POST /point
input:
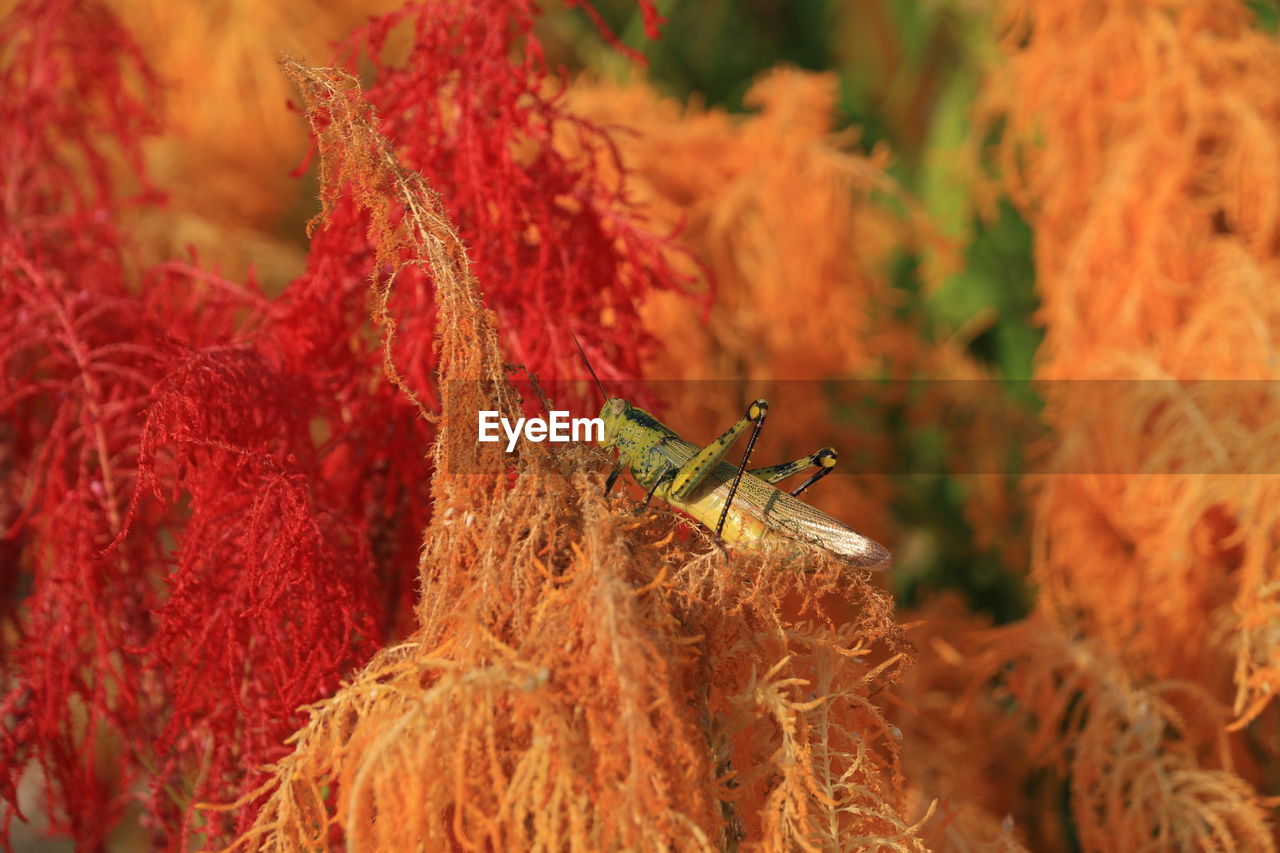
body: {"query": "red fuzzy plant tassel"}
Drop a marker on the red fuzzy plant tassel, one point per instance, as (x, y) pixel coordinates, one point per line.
(215, 500)
(474, 108)
(78, 355)
(162, 648)
(551, 235)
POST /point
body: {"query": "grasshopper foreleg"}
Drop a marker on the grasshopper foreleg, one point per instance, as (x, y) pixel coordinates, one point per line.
(756, 412)
(824, 460)
(667, 474)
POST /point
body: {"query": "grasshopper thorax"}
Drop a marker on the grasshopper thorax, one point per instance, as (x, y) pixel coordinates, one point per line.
(637, 436)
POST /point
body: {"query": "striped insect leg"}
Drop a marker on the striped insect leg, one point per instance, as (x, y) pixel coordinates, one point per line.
(693, 472)
(774, 474)
(759, 409)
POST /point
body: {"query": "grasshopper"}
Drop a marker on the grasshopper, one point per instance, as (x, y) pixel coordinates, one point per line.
(743, 506)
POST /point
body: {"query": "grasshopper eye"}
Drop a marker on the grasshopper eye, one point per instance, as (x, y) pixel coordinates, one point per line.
(617, 407)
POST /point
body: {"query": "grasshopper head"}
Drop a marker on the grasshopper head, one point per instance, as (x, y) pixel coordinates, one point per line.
(614, 415)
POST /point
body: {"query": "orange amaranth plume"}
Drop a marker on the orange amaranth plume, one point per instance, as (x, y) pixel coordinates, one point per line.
(1140, 140)
(580, 679)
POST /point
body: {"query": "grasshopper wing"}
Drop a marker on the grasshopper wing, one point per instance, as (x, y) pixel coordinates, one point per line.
(798, 520)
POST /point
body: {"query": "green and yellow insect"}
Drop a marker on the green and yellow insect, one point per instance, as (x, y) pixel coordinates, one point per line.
(744, 507)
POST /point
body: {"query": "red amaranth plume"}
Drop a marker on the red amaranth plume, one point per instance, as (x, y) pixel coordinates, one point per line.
(79, 354)
(131, 667)
(216, 499)
(553, 238)
(474, 108)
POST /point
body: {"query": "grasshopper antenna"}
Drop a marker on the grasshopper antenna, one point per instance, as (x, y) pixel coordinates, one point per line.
(617, 468)
(582, 353)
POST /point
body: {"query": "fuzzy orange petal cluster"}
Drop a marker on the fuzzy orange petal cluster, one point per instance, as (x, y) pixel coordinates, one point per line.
(783, 215)
(581, 679)
(1146, 138)
(1142, 141)
(1147, 764)
(958, 743)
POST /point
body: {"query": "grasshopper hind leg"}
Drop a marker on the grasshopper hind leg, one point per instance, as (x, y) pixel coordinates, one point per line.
(756, 413)
(824, 460)
(695, 471)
